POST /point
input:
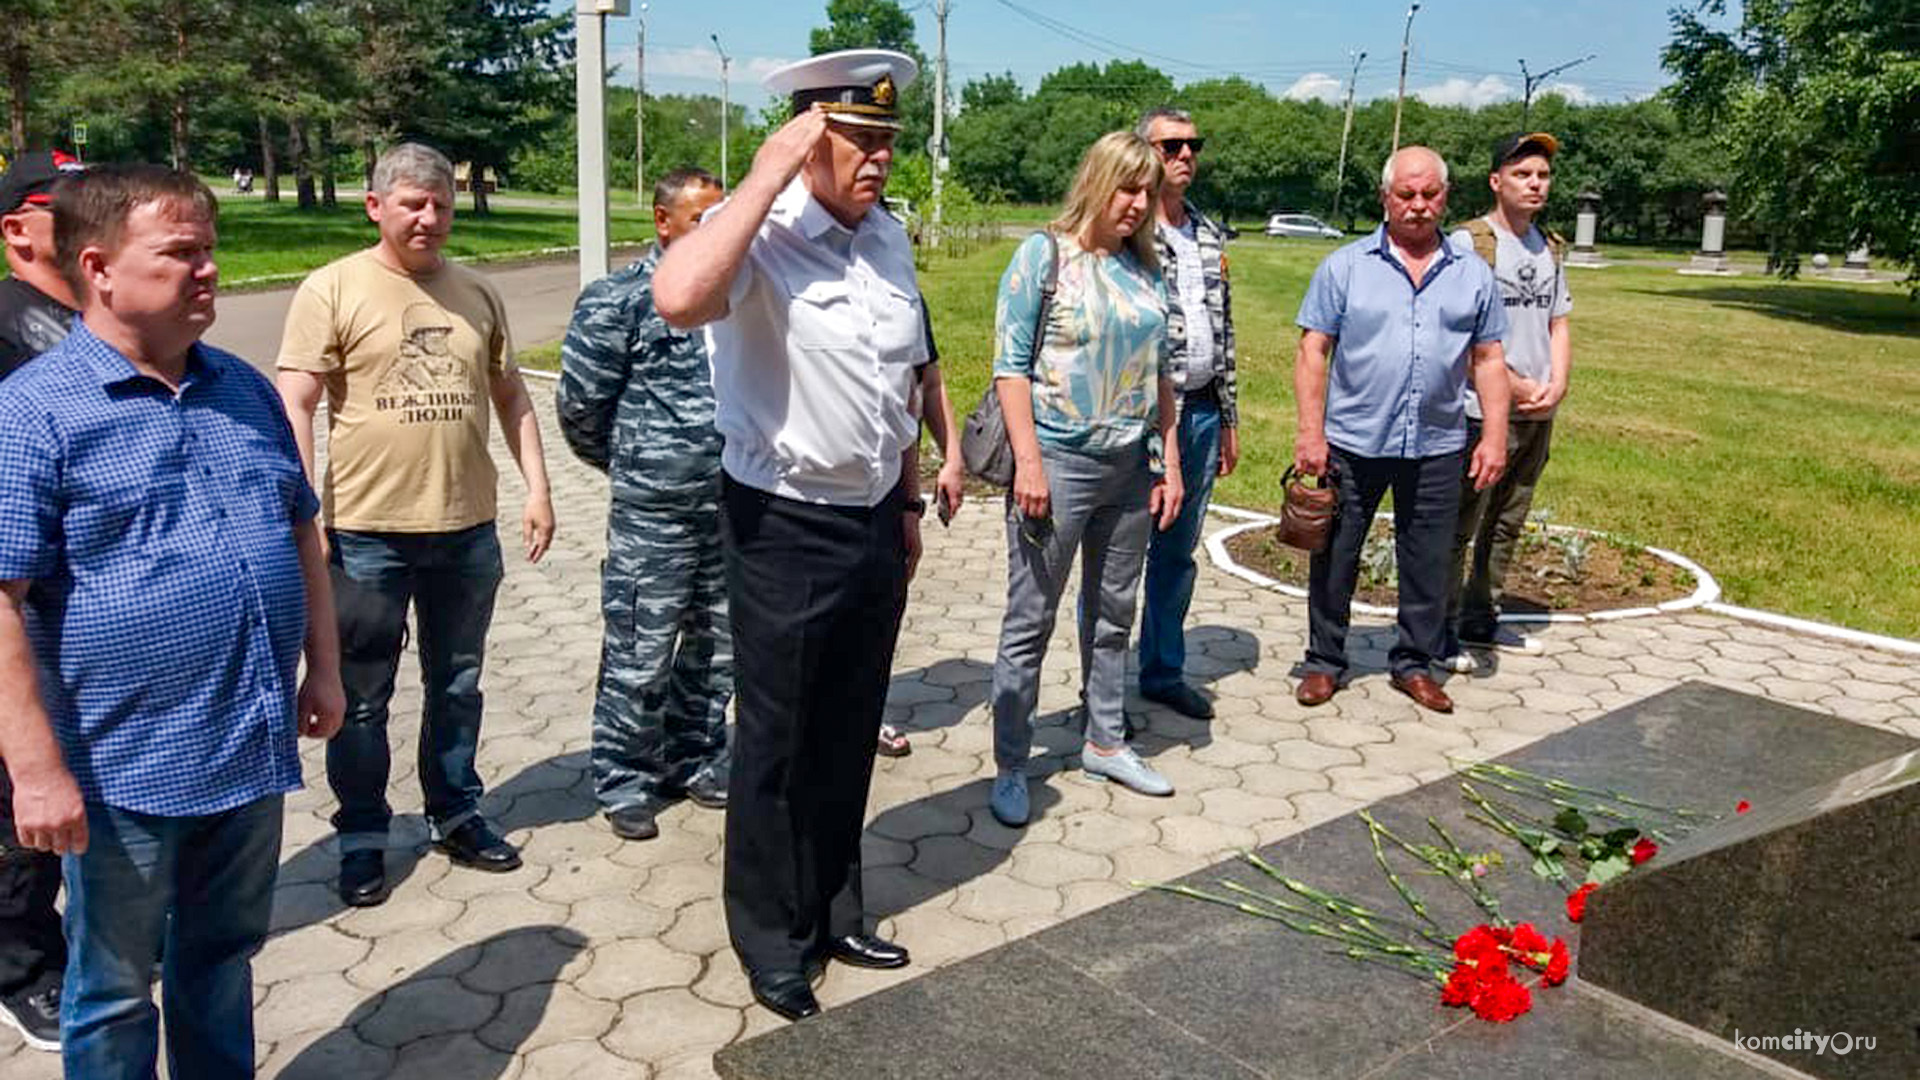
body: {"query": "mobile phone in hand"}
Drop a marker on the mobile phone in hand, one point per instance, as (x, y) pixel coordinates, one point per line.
(943, 506)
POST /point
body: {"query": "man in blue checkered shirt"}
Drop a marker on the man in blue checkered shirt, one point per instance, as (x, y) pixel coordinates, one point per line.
(160, 575)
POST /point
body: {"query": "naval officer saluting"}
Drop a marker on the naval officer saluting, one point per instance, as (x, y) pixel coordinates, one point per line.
(806, 288)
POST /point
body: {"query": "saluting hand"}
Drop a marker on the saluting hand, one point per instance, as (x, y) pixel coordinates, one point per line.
(787, 150)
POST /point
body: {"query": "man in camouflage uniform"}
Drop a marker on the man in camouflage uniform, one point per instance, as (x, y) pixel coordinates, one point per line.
(636, 400)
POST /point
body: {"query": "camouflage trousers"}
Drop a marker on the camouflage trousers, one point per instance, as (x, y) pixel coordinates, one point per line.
(666, 656)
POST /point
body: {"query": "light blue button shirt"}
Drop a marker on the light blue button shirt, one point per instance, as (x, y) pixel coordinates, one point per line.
(1397, 383)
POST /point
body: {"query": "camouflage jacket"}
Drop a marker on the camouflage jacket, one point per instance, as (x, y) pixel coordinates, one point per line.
(636, 395)
(1213, 261)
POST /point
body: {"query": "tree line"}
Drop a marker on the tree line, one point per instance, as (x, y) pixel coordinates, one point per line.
(1807, 115)
(307, 90)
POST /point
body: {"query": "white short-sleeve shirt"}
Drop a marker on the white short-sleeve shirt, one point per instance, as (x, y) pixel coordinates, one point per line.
(814, 365)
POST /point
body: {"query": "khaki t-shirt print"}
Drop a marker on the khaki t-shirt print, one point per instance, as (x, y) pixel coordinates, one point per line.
(407, 365)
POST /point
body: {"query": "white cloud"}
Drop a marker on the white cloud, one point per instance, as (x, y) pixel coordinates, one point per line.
(1315, 84)
(696, 63)
(1457, 91)
(1574, 93)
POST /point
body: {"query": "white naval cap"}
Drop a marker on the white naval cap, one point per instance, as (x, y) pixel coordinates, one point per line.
(858, 86)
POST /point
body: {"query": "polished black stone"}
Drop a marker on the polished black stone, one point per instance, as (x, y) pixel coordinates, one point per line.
(1160, 986)
(1800, 916)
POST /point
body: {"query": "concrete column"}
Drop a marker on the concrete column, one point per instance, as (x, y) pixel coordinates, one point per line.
(1586, 226)
(1712, 256)
(590, 91)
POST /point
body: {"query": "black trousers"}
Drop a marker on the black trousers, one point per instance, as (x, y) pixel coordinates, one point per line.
(1426, 505)
(32, 950)
(816, 594)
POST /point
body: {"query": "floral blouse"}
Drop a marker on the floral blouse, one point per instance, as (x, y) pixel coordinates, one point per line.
(1096, 382)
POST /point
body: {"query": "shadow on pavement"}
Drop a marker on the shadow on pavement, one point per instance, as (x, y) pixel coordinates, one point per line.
(465, 1015)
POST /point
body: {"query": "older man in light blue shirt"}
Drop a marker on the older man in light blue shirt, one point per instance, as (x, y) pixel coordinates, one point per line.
(1390, 326)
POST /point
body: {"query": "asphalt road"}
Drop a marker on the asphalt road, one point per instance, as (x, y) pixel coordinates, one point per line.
(539, 298)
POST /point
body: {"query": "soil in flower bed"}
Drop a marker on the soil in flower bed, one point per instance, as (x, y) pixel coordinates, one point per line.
(1544, 576)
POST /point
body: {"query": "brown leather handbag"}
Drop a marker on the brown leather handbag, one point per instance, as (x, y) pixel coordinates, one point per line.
(1308, 512)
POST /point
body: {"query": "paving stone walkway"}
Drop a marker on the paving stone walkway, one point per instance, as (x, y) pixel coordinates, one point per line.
(601, 958)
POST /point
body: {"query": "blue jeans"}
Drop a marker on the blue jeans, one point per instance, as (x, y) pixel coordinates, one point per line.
(195, 890)
(1170, 565)
(450, 579)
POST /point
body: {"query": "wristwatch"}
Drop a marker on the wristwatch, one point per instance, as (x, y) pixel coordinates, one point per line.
(915, 505)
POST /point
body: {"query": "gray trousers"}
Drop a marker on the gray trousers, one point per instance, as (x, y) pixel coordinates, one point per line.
(1099, 510)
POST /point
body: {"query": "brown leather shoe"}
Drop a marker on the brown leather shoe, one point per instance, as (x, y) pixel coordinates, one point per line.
(1424, 691)
(1315, 689)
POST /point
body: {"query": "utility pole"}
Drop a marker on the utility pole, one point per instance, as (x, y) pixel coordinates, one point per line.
(640, 115)
(590, 90)
(725, 107)
(1340, 174)
(1531, 81)
(937, 153)
(1406, 46)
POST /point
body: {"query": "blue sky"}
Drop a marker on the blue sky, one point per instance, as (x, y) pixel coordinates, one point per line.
(1464, 51)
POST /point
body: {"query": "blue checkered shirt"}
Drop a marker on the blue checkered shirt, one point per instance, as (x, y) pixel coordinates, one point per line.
(165, 602)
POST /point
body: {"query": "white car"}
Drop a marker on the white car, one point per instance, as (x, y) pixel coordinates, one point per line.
(1301, 225)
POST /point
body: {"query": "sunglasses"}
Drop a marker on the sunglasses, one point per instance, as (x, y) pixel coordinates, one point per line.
(1170, 148)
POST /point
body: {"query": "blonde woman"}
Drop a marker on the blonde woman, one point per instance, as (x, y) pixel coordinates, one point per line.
(1079, 411)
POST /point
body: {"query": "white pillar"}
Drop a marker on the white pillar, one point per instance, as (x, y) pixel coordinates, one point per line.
(590, 91)
(1712, 256)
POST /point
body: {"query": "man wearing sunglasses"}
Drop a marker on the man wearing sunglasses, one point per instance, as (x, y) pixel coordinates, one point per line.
(1200, 342)
(814, 328)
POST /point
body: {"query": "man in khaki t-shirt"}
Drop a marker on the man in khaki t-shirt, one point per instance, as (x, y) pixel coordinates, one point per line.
(408, 351)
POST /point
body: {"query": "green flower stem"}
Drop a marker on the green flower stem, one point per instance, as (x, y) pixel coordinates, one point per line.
(1438, 863)
(1488, 902)
(1558, 785)
(1590, 810)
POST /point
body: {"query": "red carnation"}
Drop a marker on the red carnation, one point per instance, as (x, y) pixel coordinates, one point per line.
(1480, 947)
(1461, 986)
(1558, 961)
(1577, 903)
(1527, 942)
(1742, 807)
(1643, 849)
(1501, 1000)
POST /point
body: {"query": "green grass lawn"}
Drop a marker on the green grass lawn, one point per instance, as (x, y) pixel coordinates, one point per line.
(276, 240)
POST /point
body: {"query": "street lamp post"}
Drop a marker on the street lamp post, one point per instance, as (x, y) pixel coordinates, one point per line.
(725, 107)
(1340, 174)
(1406, 45)
(590, 90)
(640, 114)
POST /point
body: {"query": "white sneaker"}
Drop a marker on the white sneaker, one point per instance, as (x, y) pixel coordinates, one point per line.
(1460, 663)
(1507, 639)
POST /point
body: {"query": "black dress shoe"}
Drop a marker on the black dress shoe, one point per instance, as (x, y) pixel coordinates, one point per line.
(1182, 699)
(633, 823)
(786, 993)
(868, 951)
(708, 789)
(363, 878)
(475, 844)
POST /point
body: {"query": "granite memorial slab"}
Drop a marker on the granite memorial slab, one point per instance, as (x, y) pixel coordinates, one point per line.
(1799, 919)
(1158, 985)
